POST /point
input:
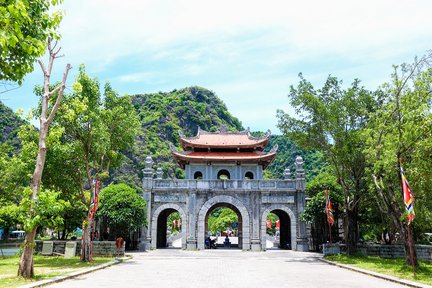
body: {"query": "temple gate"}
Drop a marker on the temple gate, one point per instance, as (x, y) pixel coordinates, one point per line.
(224, 169)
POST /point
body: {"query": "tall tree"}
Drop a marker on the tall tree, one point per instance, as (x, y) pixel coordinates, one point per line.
(96, 129)
(401, 129)
(25, 27)
(330, 120)
(50, 103)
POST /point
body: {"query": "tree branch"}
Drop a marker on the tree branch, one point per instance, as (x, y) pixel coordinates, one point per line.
(61, 88)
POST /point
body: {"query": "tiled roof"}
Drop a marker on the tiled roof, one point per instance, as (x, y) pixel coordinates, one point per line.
(245, 157)
(224, 139)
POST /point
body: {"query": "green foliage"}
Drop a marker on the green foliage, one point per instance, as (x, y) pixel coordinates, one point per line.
(331, 120)
(401, 128)
(171, 219)
(122, 207)
(25, 29)
(393, 267)
(162, 116)
(9, 125)
(48, 210)
(314, 211)
(285, 158)
(220, 219)
(9, 215)
(273, 218)
(45, 267)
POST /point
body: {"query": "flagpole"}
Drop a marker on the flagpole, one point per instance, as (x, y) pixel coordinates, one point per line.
(410, 213)
(411, 248)
(330, 233)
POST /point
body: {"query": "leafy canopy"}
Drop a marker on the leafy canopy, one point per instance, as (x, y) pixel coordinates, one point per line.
(122, 207)
(25, 27)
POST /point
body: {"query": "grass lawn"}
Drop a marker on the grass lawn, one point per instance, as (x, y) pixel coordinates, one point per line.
(393, 267)
(44, 267)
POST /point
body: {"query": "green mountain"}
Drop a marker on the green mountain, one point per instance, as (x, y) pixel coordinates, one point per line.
(162, 115)
(9, 125)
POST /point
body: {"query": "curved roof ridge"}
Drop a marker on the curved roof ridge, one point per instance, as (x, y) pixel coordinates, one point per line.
(223, 131)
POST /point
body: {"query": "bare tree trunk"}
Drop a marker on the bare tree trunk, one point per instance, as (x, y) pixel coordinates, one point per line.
(26, 262)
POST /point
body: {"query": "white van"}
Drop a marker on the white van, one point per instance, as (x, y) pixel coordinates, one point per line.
(16, 235)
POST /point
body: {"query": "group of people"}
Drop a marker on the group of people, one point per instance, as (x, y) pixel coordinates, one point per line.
(211, 243)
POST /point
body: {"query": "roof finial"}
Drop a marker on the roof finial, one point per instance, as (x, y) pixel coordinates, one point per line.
(223, 129)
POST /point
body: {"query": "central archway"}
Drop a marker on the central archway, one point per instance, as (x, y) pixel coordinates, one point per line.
(232, 203)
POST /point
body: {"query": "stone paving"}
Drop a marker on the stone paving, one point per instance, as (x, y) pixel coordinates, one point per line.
(224, 268)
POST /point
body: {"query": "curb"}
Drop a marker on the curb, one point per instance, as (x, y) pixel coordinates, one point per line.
(378, 275)
(74, 274)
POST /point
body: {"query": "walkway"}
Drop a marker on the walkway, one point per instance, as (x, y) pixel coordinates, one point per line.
(224, 268)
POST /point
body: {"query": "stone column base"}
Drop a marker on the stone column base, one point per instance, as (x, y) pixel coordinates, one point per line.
(191, 244)
(144, 245)
(302, 244)
(255, 245)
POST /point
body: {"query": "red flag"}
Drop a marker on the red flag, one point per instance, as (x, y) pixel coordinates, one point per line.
(408, 197)
(278, 224)
(268, 224)
(96, 197)
(178, 223)
(329, 209)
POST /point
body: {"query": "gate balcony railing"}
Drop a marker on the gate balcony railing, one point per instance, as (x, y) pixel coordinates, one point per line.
(221, 184)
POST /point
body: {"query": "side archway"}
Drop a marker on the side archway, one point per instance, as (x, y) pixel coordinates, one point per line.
(245, 242)
(154, 223)
(293, 225)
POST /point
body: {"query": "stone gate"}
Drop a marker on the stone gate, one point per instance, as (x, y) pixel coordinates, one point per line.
(224, 169)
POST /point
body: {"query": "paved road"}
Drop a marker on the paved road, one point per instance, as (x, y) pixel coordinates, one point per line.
(224, 268)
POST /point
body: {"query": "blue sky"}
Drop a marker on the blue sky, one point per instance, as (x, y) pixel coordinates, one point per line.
(247, 52)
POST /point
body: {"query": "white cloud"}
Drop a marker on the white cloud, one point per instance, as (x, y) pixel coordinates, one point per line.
(245, 51)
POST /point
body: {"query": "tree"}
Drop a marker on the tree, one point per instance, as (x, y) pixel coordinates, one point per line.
(314, 212)
(9, 216)
(48, 210)
(123, 209)
(25, 29)
(50, 102)
(331, 120)
(95, 130)
(401, 129)
(221, 219)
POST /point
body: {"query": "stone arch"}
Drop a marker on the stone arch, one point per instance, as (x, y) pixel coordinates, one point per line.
(154, 223)
(293, 225)
(198, 175)
(249, 175)
(229, 200)
(223, 174)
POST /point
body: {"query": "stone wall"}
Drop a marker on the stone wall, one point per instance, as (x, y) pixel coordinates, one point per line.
(100, 248)
(424, 252)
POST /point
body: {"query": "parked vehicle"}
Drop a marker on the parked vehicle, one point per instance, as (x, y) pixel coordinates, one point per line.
(16, 235)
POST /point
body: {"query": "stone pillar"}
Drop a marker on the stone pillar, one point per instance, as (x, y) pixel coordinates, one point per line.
(255, 221)
(145, 237)
(287, 174)
(159, 173)
(191, 239)
(302, 241)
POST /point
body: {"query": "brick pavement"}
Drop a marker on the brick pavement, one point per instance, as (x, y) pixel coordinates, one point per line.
(224, 268)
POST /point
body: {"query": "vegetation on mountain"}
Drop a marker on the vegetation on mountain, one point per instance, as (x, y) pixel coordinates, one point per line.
(9, 126)
(162, 116)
